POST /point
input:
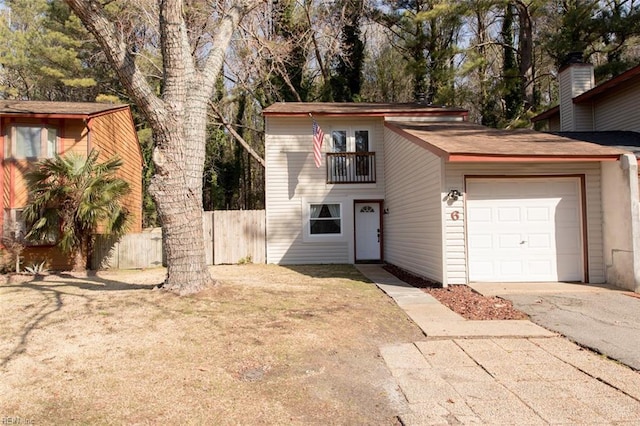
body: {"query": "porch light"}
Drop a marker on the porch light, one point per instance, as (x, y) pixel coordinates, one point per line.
(454, 194)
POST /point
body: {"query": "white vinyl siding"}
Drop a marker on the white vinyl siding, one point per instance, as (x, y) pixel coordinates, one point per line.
(582, 118)
(619, 111)
(575, 80)
(554, 124)
(413, 225)
(455, 173)
(292, 181)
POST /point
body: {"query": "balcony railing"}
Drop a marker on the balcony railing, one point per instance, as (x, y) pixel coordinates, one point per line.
(351, 167)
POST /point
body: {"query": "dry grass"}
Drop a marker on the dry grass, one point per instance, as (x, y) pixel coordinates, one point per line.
(267, 345)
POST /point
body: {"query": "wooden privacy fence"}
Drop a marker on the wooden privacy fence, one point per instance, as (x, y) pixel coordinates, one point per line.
(231, 236)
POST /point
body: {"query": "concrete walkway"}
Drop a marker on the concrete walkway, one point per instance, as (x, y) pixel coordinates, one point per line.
(499, 372)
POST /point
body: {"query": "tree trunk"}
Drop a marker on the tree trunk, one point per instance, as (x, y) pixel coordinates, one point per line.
(525, 51)
(178, 120)
(80, 256)
(177, 190)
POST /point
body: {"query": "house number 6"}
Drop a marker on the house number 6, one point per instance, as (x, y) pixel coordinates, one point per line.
(455, 215)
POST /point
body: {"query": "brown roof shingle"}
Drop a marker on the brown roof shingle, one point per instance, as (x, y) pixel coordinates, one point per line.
(459, 140)
(26, 108)
(358, 109)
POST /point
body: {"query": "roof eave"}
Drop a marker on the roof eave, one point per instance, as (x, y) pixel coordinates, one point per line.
(455, 113)
(65, 115)
(632, 74)
(546, 114)
(500, 158)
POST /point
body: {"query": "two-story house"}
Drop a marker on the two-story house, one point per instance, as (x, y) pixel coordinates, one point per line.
(422, 188)
(30, 131)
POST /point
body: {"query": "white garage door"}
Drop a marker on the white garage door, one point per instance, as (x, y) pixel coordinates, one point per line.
(524, 230)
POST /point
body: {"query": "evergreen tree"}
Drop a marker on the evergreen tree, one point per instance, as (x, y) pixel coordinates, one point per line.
(46, 54)
(427, 33)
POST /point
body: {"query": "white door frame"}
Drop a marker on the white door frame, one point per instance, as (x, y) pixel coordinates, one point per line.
(380, 204)
(582, 204)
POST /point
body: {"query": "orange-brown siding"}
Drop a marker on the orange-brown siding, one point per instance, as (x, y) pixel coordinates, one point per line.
(54, 258)
(114, 134)
(73, 137)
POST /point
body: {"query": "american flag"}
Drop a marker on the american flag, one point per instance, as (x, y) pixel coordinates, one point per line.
(318, 136)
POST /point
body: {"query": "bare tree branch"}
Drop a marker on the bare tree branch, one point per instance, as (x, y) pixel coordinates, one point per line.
(236, 135)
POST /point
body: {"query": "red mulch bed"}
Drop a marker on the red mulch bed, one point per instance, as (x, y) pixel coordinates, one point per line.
(461, 299)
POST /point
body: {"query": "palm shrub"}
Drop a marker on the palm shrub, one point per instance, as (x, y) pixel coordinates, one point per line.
(73, 197)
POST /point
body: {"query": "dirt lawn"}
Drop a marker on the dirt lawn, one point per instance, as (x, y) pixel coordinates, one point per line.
(267, 345)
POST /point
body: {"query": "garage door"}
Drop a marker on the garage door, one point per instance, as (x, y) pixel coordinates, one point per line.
(522, 230)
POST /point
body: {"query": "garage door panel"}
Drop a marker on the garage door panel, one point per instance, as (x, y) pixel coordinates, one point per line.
(565, 189)
(509, 214)
(567, 246)
(540, 268)
(538, 214)
(484, 269)
(567, 215)
(509, 241)
(481, 214)
(511, 268)
(568, 267)
(539, 241)
(524, 229)
(482, 242)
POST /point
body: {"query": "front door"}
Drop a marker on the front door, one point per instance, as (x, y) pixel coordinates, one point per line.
(368, 231)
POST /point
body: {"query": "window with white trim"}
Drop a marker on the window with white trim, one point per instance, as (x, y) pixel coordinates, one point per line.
(325, 219)
(32, 141)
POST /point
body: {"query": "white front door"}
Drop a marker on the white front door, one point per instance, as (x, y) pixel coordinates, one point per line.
(524, 230)
(368, 231)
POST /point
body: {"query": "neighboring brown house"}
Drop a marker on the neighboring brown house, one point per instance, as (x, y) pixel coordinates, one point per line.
(32, 130)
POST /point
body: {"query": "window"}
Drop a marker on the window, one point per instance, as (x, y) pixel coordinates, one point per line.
(362, 145)
(339, 138)
(15, 229)
(350, 140)
(325, 219)
(14, 226)
(32, 141)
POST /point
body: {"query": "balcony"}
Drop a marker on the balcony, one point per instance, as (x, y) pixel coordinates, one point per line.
(351, 167)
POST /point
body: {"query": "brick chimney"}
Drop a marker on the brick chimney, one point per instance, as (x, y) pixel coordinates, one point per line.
(576, 77)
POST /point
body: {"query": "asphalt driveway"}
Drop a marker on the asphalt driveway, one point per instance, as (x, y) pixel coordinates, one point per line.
(599, 318)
